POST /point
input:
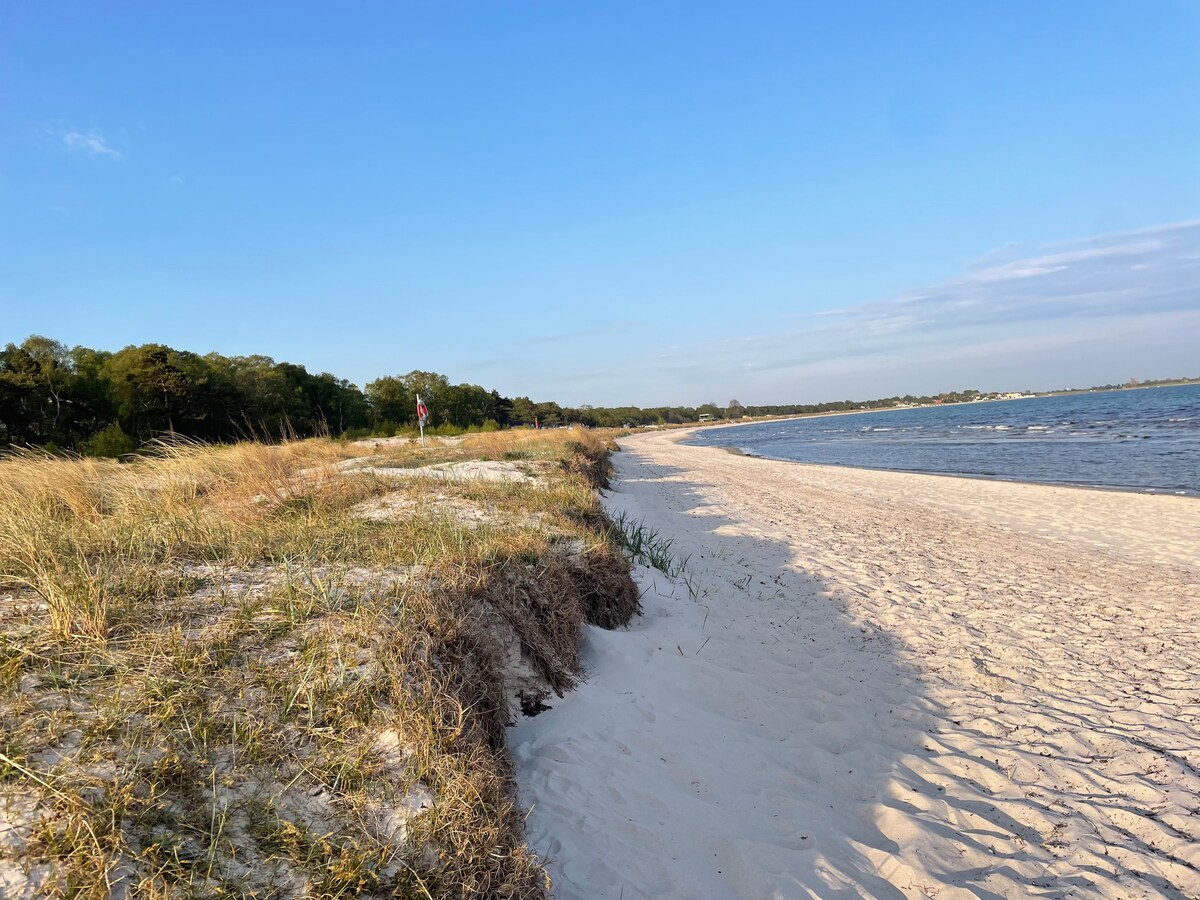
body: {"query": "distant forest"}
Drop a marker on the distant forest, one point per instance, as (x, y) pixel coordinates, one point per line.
(108, 404)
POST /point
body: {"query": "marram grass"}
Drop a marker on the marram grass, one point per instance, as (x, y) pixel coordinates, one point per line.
(217, 678)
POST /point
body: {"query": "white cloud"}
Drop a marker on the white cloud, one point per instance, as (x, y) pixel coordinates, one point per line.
(92, 143)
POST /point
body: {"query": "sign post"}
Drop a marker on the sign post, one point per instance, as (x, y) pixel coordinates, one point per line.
(422, 415)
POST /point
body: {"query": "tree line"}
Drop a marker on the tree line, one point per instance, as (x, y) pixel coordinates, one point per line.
(106, 403)
(109, 403)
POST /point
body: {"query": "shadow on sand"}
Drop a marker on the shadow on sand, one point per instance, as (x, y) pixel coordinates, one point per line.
(817, 762)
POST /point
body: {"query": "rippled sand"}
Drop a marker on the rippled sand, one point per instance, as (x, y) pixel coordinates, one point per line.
(882, 684)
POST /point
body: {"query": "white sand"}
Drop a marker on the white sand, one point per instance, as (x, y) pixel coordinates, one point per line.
(469, 470)
(882, 684)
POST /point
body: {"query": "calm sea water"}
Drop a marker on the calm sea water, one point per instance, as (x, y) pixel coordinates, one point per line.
(1143, 440)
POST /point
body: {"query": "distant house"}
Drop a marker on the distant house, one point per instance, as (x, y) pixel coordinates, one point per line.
(705, 417)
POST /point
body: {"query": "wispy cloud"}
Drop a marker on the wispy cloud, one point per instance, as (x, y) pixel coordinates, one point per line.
(1121, 274)
(1145, 271)
(1012, 317)
(92, 143)
(1105, 309)
(608, 328)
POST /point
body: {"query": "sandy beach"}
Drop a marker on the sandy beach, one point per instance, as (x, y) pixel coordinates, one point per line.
(881, 684)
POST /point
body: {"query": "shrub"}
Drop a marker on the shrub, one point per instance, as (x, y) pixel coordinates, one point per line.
(110, 441)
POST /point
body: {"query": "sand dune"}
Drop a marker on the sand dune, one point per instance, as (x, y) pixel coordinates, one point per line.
(881, 684)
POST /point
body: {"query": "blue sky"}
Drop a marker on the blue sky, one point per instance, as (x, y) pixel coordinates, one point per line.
(613, 203)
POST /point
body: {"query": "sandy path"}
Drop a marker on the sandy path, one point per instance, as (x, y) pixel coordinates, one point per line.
(882, 684)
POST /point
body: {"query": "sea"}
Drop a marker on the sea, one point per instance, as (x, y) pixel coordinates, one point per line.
(1144, 439)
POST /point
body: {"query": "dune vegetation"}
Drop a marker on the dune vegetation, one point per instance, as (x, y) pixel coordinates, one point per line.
(284, 671)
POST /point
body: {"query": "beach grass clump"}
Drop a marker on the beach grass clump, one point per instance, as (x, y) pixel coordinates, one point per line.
(645, 544)
(281, 671)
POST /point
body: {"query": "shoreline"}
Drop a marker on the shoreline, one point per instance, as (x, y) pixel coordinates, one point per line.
(1154, 492)
(880, 683)
(681, 434)
(1034, 396)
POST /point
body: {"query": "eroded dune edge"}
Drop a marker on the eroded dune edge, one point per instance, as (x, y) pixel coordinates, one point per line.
(287, 671)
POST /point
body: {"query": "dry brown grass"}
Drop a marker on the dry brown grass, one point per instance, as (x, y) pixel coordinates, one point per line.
(217, 679)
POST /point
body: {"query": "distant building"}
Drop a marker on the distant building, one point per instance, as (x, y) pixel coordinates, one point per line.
(705, 417)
